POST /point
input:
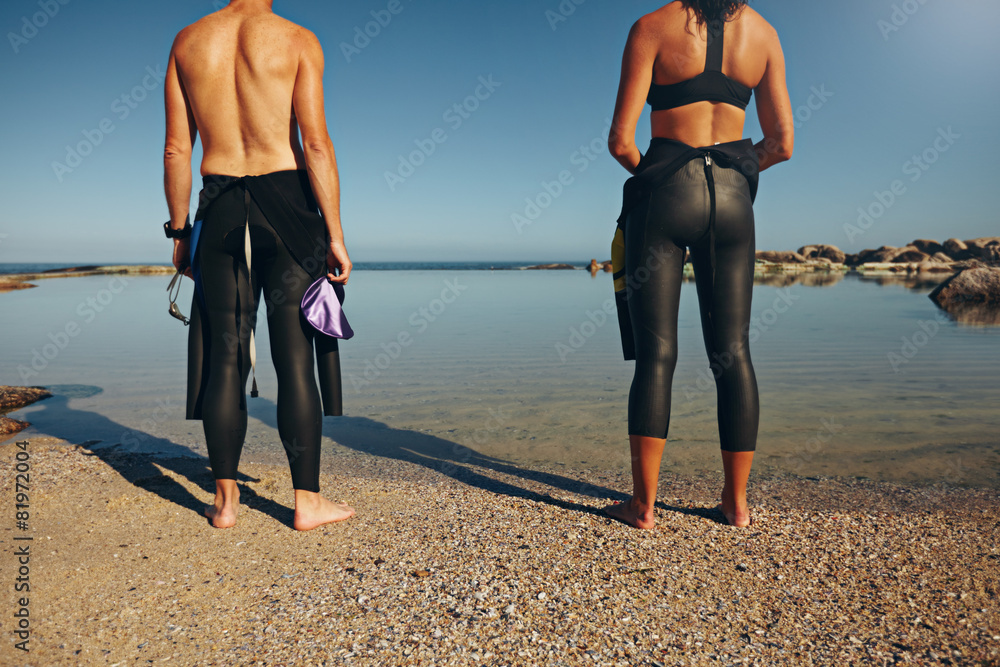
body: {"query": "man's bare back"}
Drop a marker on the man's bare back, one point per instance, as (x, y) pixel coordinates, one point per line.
(250, 82)
(238, 68)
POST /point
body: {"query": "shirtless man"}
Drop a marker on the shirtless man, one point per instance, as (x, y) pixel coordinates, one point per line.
(251, 82)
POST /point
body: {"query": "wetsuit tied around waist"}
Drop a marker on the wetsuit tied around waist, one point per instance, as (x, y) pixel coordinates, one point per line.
(259, 236)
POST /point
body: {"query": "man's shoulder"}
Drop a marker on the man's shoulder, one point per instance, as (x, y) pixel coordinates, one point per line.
(272, 24)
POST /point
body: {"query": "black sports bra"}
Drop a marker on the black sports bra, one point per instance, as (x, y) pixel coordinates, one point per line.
(709, 86)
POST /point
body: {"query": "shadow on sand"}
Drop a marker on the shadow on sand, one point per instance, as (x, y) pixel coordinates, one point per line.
(452, 460)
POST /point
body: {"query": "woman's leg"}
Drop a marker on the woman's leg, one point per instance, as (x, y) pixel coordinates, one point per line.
(725, 299)
(654, 266)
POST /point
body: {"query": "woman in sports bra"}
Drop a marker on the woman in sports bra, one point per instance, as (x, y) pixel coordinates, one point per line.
(696, 62)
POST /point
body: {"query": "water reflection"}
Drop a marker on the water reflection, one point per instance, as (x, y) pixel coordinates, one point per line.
(917, 282)
(974, 314)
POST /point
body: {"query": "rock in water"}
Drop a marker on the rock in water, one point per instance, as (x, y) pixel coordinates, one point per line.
(10, 426)
(781, 257)
(957, 250)
(550, 267)
(878, 256)
(14, 398)
(986, 248)
(971, 296)
(821, 251)
(927, 246)
(908, 255)
(978, 285)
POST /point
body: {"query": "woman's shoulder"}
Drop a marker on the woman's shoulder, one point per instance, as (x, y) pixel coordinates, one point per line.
(751, 20)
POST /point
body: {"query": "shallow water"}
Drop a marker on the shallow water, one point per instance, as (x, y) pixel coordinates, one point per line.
(856, 378)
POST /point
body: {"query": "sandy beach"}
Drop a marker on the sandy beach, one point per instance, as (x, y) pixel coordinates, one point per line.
(495, 553)
(492, 565)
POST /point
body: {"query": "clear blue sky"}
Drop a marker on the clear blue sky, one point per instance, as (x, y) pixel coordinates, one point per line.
(891, 94)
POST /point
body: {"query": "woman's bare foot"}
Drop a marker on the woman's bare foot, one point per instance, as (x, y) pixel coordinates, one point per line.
(633, 513)
(737, 514)
(313, 510)
(734, 490)
(222, 514)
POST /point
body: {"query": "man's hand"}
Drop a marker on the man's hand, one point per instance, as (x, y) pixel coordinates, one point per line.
(338, 263)
(182, 256)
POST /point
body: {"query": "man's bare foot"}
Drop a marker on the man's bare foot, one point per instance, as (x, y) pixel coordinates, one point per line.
(737, 514)
(313, 510)
(222, 514)
(633, 513)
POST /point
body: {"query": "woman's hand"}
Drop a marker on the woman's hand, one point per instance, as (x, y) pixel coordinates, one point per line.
(338, 264)
(182, 256)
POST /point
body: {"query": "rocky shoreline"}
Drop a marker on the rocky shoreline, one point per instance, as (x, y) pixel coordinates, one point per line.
(917, 257)
(17, 281)
(15, 398)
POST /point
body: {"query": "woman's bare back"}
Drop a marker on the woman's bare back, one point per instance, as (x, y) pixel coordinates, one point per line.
(681, 45)
(238, 70)
(668, 46)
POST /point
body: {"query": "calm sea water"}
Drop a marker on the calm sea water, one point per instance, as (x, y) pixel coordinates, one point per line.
(856, 377)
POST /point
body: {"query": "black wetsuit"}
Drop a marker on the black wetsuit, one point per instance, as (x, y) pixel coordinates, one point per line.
(705, 203)
(287, 237)
(702, 199)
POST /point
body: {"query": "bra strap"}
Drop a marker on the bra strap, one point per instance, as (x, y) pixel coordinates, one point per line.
(716, 44)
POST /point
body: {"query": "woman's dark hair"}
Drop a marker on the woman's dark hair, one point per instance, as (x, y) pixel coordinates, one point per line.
(715, 10)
